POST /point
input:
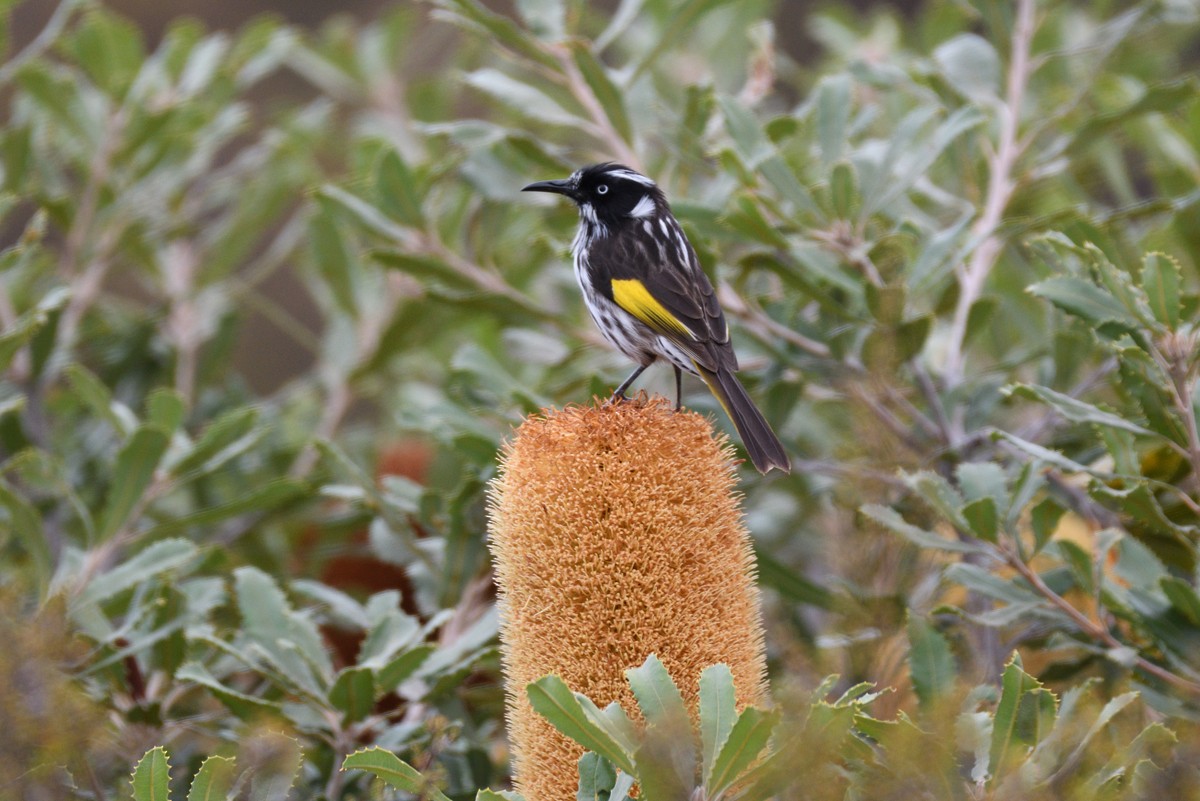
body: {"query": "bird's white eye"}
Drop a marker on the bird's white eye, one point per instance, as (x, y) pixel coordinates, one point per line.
(602, 189)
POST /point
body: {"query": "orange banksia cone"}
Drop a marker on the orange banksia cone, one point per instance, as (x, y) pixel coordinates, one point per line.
(617, 533)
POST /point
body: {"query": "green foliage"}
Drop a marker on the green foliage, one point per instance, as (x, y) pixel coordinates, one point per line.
(660, 756)
(217, 776)
(1025, 743)
(269, 304)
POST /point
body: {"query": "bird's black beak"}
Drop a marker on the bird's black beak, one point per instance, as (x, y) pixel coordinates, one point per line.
(563, 187)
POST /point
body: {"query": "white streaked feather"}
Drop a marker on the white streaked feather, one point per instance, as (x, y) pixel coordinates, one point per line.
(644, 207)
(630, 175)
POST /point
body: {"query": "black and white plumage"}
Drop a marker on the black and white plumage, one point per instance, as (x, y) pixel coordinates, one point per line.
(644, 287)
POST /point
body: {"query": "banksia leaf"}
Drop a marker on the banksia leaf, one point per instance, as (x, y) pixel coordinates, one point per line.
(617, 534)
(151, 777)
(213, 781)
(393, 771)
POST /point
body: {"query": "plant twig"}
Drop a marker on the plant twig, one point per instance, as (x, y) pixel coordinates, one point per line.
(1001, 186)
(54, 26)
(763, 326)
(1094, 630)
(183, 326)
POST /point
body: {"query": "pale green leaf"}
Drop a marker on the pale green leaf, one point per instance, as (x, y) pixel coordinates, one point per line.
(930, 661)
(132, 474)
(552, 699)
(151, 777)
(393, 771)
(214, 780)
(718, 711)
(745, 742)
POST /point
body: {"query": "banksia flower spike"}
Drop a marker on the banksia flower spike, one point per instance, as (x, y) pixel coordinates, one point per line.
(616, 534)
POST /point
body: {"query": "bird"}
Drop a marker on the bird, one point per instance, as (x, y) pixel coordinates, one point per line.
(645, 290)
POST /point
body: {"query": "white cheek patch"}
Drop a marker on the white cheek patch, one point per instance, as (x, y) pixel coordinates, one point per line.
(644, 207)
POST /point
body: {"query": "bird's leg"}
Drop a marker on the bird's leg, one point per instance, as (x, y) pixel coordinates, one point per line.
(619, 393)
(678, 388)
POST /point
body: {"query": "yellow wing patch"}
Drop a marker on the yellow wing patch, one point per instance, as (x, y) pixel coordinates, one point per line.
(632, 296)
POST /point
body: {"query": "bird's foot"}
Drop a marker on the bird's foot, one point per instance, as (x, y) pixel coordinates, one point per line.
(615, 398)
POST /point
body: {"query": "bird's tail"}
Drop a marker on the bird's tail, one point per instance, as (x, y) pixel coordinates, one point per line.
(765, 449)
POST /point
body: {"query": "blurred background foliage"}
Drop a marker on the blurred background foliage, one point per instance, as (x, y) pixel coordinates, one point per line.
(271, 300)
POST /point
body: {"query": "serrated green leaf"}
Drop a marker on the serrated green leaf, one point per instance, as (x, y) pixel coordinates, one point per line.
(1040, 453)
(745, 742)
(1140, 503)
(939, 495)
(353, 692)
(983, 480)
(498, 795)
(289, 640)
(151, 778)
(552, 699)
(718, 710)
(1084, 300)
(214, 780)
(930, 661)
(1025, 714)
(1162, 282)
(891, 519)
(392, 770)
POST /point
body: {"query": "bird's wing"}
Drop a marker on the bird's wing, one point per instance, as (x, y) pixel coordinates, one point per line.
(671, 295)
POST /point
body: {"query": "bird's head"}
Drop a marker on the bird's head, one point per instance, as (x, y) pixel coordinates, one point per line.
(610, 195)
